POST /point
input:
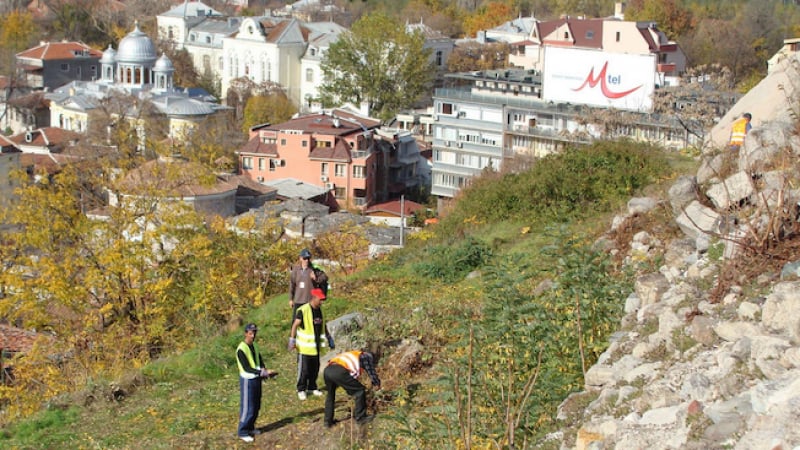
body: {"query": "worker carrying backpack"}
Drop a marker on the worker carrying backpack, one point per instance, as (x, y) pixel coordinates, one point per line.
(321, 281)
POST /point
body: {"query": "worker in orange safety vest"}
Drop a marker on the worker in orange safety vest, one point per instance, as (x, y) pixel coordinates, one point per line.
(344, 370)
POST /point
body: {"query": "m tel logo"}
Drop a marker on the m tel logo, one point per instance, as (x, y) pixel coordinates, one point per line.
(604, 82)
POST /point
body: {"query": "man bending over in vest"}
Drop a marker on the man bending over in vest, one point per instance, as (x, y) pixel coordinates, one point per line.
(344, 370)
(309, 334)
(251, 372)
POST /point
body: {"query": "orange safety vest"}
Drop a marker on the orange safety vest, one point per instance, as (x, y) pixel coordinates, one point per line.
(350, 361)
(738, 131)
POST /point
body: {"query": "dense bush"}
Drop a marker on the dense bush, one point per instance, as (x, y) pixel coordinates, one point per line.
(452, 260)
(560, 187)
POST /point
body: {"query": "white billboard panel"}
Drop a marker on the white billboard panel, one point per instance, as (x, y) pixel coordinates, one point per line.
(596, 78)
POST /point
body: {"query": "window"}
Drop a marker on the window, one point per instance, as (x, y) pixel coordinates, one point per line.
(207, 62)
(590, 34)
(309, 75)
(192, 37)
(247, 163)
(169, 32)
(304, 143)
(618, 36)
(566, 35)
(439, 58)
(339, 170)
(323, 169)
(283, 142)
(78, 71)
(65, 67)
(338, 192)
(312, 51)
(208, 39)
(359, 172)
(446, 108)
(260, 163)
(93, 69)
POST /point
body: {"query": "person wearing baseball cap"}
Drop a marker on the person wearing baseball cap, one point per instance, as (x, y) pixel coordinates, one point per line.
(301, 282)
(309, 334)
(251, 372)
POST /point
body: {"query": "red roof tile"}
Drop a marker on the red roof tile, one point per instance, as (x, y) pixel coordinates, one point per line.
(15, 339)
(59, 50)
(393, 207)
(51, 137)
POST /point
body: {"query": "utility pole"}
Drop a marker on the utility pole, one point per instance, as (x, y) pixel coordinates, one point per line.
(402, 219)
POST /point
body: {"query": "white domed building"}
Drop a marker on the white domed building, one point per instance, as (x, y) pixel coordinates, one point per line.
(133, 69)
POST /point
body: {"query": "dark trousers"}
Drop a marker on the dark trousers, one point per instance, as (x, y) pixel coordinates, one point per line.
(335, 376)
(307, 372)
(249, 405)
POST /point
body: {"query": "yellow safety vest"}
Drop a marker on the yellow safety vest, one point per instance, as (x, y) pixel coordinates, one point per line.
(350, 361)
(306, 342)
(738, 131)
(251, 358)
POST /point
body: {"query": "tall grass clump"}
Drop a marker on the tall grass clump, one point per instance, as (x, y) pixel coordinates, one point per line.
(526, 352)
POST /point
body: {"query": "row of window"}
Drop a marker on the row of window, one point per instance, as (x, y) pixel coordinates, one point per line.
(340, 170)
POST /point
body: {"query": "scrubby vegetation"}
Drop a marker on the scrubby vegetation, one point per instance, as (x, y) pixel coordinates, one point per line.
(499, 350)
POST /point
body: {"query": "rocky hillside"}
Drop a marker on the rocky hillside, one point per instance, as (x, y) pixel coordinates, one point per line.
(708, 353)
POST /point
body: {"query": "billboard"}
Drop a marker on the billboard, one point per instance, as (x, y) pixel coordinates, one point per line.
(595, 78)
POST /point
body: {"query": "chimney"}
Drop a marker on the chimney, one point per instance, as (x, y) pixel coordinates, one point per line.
(619, 10)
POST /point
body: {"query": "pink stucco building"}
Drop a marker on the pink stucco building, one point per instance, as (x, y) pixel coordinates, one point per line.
(335, 151)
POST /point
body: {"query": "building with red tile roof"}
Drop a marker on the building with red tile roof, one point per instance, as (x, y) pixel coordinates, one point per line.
(53, 64)
(335, 151)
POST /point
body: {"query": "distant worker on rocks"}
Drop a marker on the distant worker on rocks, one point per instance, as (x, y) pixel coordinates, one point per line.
(251, 373)
(739, 131)
(344, 370)
(309, 335)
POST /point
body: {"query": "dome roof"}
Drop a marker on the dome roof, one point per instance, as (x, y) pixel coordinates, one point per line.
(186, 107)
(109, 56)
(136, 47)
(164, 64)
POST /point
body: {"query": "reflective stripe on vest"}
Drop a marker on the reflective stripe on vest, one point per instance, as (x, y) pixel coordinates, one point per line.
(251, 358)
(738, 132)
(306, 342)
(350, 361)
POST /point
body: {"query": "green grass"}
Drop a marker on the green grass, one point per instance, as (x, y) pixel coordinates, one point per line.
(190, 399)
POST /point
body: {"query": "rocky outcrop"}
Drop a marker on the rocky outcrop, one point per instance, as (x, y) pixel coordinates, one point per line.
(688, 371)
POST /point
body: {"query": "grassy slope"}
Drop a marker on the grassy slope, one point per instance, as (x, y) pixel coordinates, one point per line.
(191, 400)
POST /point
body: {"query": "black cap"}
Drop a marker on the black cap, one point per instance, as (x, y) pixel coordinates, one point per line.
(305, 253)
(251, 327)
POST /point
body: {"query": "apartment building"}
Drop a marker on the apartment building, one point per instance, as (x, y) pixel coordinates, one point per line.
(490, 116)
(335, 151)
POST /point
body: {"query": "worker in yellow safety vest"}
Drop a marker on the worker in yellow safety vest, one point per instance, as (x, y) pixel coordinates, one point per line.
(739, 130)
(309, 334)
(344, 370)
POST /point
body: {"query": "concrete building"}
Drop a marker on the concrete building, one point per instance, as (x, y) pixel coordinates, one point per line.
(322, 35)
(53, 64)
(334, 151)
(494, 115)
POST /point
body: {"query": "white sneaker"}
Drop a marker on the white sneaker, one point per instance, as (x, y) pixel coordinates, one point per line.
(301, 395)
(317, 393)
(247, 438)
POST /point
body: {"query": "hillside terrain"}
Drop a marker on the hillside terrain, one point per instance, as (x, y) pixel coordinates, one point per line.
(475, 319)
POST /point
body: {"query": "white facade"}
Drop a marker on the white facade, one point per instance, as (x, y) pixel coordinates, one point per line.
(174, 25)
(323, 34)
(265, 49)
